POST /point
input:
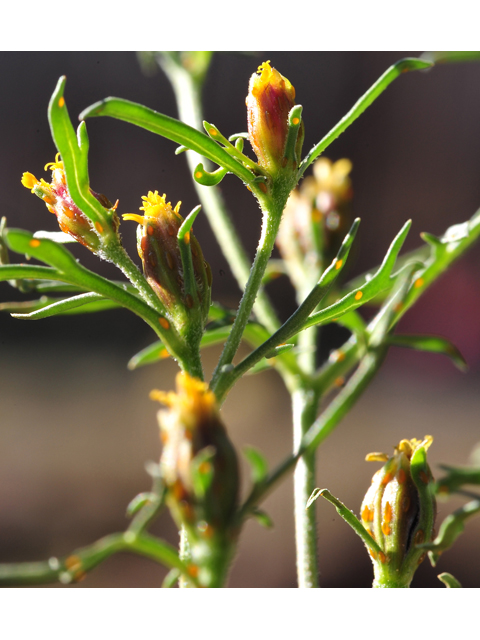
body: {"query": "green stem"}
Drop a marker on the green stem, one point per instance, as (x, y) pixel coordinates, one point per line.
(188, 96)
(271, 222)
(188, 358)
(304, 404)
(322, 426)
(185, 556)
(74, 567)
(383, 582)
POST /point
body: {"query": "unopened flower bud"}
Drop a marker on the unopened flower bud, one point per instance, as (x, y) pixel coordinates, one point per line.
(269, 101)
(158, 247)
(316, 218)
(399, 512)
(59, 202)
(199, 467)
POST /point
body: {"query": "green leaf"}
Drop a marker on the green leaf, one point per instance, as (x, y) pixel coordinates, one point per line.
(258, 464)
(354, 322)
(434, 344)
(456, 478)
(449, 581)
(44, 249)
(208, 178)
(83, 303)
(27, 271)
(263, 519)
(70, 271)
(169, 128)
(153, 353)
(450, 529)
(140, 501)
(393, 72)
(387, 315)
(356, 298)
(74, 151)
(349, 517)
(282, 348)
(440, 57)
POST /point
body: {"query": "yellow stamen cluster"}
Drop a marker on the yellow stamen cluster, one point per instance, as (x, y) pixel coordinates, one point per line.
(58, 164)
(192, 398)
(408, 447)
(154, 206)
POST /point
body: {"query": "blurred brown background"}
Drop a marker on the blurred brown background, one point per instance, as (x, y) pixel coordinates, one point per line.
(76, 427)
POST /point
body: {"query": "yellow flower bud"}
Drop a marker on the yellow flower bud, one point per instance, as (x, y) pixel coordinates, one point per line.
(269, 101)
(158, 247)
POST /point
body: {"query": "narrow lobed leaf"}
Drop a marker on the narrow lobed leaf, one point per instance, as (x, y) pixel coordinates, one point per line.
(433, 344)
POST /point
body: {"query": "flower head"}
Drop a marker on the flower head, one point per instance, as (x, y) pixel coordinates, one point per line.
(158, 247)
(399, 510)
(59, 202)
(198, 464)
(269, 101)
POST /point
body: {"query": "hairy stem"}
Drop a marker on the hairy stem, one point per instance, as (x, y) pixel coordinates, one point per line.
(271, 221)
(304, 404)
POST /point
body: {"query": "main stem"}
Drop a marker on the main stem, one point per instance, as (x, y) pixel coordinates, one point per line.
(271, 221)
(304, 408)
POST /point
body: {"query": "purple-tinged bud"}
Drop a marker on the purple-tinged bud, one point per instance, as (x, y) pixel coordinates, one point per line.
(158, 247)
(59, 202)
(269, 101)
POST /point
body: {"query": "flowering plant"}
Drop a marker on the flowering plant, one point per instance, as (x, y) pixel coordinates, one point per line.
(198, 477)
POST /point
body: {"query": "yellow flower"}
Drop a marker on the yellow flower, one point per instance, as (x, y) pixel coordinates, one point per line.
(199, 465)
(59, 202)
(157, 246)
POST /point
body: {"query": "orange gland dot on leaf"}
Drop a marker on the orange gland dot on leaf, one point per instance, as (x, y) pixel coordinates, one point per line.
(193, 570)
(388, 513)
(387, 478)
(338, 265)
(423, 477)
(61, 102)
(164, 323)
(418, 283)
(98, 227)
(34, 242)
(358, 295)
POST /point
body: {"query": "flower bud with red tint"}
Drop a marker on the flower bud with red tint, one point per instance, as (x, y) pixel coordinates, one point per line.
(399, 512)
(59, 202)
(158, 247)
(269, 101)
(199, 468)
